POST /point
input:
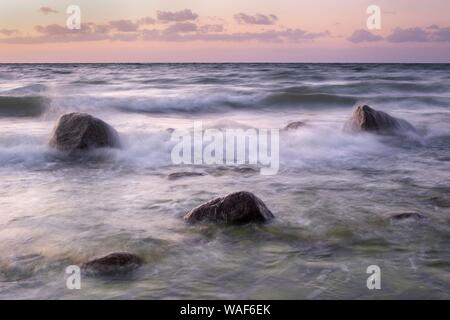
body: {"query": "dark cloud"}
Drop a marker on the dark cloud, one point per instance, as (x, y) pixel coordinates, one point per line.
(408, 35)
(124, 25)
(259, 19)
(177, 16)
(364, 36)
(47, 10)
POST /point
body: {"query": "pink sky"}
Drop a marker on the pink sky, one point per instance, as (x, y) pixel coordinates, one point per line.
(222, 31)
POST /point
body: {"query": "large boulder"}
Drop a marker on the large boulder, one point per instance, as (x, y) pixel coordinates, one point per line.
(364, 118)
(113, 263)
(234, 209)
(79, 131)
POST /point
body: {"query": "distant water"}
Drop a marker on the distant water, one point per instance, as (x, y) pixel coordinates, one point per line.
(330, 197)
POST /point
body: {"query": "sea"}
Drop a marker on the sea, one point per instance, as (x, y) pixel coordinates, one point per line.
(333, 196)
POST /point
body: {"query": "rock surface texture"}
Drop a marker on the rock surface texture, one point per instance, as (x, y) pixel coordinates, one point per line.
(234, 209)
(113, 263)
(365, 118)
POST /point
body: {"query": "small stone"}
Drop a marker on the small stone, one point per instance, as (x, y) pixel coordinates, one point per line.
(113, 263)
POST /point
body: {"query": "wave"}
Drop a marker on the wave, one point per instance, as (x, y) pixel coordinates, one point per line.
(27, 106)
(91, 82)
(28, 89)
(189, 103)
(315, 146)
(288, 98)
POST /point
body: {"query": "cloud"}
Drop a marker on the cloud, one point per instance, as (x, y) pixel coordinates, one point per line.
(53, 29)
(176, 16)
(8, 32)
(127, 36)
(212, 28)
(181, 27)
(56, 33)
(124, 25)
(364, 36)
(274, 36)
(101, 28)
(259, 19)
(171, 31)
(432, 33)
(47, 10)
(408, 35)
(441, 34)
(146, 21)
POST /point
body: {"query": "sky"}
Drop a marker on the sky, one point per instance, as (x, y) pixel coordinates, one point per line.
(225, 31)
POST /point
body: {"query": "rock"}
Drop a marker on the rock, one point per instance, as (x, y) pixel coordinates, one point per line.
(170, 130)
(79, 131)
(405, 215)
(245, 170)
(234, 209)
(294, 125)
(113, 263)
(178, 175)
(364, 118)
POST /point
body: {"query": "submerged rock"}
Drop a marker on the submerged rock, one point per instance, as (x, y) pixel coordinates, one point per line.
(294, 125)
(364, 118)
(179, 175)
(113, 263)
(405, 215)
(79, 131)
(234, 209)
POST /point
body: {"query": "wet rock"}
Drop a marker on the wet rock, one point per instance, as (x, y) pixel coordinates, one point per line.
(405, 215)
(179, 175)
(364, 118)
(221, 170)
(113, 263)
(234, 209)
(80, 131)
(170, 130)
(246, 170)
(294, 125)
